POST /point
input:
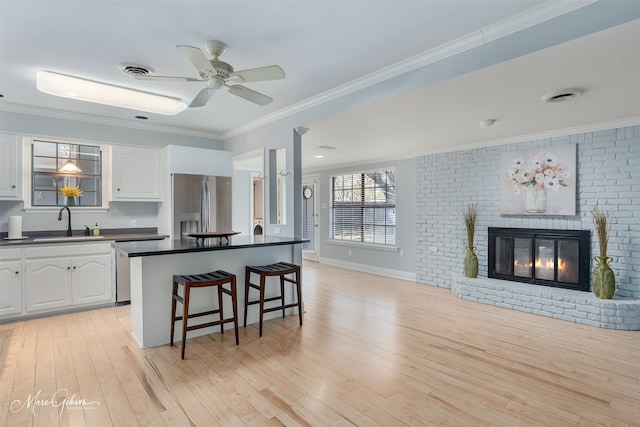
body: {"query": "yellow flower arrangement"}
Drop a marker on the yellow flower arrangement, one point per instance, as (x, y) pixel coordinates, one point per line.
(71, 191)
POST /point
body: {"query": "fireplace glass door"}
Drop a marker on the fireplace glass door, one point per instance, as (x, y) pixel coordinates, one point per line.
(545, 257)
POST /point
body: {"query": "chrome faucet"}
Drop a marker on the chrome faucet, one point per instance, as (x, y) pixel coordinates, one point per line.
(69, 219)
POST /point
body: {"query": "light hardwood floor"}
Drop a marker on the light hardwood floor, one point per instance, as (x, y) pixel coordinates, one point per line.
(372, 351)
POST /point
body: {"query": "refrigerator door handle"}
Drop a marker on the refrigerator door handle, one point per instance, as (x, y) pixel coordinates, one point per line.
(205, 207)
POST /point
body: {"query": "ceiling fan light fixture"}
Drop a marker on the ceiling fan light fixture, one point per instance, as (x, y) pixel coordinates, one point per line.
(101, 93)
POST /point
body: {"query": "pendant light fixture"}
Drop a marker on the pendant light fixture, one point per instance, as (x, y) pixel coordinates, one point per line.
(70, 167)
(101, 93)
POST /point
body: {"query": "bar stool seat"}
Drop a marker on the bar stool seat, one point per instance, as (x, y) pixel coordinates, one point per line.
(215, 278)
(281, 269)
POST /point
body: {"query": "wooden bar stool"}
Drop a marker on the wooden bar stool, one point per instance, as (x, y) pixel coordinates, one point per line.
(281, 269)
(215, 278)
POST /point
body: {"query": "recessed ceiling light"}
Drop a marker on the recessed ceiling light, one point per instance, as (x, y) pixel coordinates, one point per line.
(487, 123)
(319, 156)
(563, 95)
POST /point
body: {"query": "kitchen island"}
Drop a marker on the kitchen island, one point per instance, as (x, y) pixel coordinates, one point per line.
(153, 264)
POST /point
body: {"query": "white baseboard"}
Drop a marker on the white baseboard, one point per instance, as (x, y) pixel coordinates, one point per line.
(387, 272)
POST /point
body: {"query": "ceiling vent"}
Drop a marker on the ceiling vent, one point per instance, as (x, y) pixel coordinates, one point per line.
(563, 96)
(135, 70)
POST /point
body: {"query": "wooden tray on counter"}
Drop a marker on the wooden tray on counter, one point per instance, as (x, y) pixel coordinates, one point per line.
(220, 234)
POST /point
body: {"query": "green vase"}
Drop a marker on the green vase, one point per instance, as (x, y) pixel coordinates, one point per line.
(604, 280)
(471, 263)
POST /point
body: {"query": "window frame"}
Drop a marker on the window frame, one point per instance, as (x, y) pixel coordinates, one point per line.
(363, 206)
(28, 183)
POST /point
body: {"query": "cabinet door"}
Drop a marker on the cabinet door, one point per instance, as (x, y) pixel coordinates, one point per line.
(9, 168)
(91, 279)
(48, 283)
(136, 173)
(10, 288)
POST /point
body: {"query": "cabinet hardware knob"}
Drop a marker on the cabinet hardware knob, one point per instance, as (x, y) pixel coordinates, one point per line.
(118, 189)
(68, 268)
(17, 273)
(74, 267)
(13, 186)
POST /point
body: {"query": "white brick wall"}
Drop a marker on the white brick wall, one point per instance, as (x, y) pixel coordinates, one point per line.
(608, 174)
(566, 304)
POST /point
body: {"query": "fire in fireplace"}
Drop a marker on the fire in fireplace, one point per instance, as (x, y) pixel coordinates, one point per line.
(557, 258)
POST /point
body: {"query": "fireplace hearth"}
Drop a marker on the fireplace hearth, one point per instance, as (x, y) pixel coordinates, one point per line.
(558, 258)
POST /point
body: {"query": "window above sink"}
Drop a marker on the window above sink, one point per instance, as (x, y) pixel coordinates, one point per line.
(50, 173)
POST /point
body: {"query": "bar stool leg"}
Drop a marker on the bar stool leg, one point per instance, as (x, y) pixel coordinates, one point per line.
(282, 293)
(262, 287)
(234, 302)
(247, 277)
(173, 311)
(299, 290)
(185, 317)
(220, 305)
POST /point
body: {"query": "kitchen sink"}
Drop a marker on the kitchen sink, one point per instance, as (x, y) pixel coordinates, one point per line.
(67, 239)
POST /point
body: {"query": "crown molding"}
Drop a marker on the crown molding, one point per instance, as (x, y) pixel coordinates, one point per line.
(577, 130)
(107, 121)
(506, 27)
(556, 133)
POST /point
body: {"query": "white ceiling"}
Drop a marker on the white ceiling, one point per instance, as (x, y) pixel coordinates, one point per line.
(327, 48)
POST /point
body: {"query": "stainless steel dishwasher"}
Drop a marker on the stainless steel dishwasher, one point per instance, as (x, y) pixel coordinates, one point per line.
(123, 276)
(123, 280)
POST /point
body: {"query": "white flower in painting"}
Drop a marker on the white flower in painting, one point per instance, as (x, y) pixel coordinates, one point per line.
(552, 184)
(550, 159)
(536, 163)
(517, 164)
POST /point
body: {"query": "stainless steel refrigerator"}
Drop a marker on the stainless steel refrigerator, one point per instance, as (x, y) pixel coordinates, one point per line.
(201, 204)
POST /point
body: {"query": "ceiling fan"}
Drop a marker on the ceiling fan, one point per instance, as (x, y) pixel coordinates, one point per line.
(218, 74)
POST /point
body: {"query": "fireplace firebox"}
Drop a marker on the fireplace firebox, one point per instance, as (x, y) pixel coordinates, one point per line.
(558, 258)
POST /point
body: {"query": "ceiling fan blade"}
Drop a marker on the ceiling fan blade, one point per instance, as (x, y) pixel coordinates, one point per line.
(202, 98)
(250, 95)
(271, 72)
(168, 78)
(196, 57)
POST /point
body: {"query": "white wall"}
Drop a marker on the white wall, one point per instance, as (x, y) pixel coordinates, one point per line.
(399, 263)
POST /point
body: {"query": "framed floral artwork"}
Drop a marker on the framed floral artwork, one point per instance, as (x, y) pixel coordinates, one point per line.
(538, 182)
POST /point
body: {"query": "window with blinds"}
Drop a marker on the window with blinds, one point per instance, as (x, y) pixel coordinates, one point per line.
(363, 207)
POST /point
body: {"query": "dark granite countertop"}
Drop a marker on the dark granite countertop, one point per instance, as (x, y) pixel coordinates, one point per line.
(167, 247)
(107, 235)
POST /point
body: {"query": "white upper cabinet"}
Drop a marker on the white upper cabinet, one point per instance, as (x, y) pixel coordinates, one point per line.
(10, 168)
(136, 173)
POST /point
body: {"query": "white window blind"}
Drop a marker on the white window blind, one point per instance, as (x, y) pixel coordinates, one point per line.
(363, 207)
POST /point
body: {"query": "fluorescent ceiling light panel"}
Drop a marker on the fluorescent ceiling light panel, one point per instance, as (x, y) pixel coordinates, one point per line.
(100, 93)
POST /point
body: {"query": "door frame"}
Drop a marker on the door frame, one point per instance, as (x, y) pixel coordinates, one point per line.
(312, 180)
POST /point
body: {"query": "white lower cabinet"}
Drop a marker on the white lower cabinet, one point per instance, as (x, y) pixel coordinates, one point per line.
(69, 276)
(48, 283)
(91, 279)
(10, 288)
